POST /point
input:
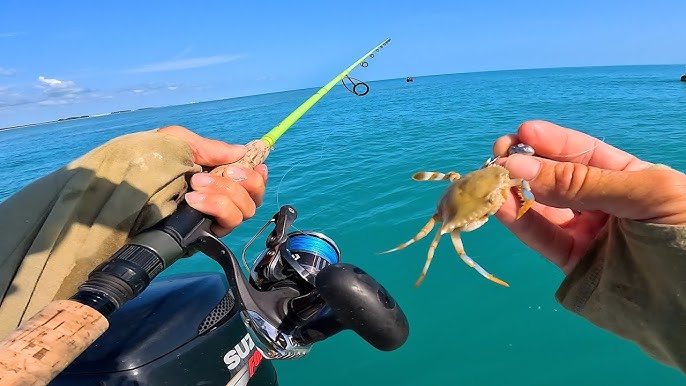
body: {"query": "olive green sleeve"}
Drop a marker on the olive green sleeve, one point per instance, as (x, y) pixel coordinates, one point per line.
(60, 227)
(632, 282)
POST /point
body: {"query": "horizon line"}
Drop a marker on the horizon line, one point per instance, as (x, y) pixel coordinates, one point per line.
(30, 124)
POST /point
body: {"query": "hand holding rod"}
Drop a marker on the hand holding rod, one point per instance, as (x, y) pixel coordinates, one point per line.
(45, 344)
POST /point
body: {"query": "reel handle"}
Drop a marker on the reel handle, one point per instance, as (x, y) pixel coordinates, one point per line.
(357, 302)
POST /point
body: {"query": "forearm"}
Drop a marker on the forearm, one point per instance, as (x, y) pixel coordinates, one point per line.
(632, 281)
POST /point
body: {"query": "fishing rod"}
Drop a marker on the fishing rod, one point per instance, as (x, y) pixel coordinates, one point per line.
(258, 150)
(47, 343)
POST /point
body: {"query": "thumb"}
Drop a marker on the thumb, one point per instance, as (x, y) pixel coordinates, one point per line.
(652, 194)
(206, 152)
(210, 152)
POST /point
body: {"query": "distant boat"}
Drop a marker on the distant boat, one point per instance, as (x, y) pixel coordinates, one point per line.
(411, 79)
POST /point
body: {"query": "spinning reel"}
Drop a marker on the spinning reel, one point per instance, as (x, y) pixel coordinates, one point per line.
(299, 293)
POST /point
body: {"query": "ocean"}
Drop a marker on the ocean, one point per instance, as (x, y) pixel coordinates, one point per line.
(346, 167)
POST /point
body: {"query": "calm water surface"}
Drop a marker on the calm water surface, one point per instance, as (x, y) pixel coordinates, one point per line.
(346, 167)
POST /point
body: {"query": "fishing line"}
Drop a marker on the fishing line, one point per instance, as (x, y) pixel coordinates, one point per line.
(314, 160)
(354, 85)
(522, 148)
(595, 145)
(314, 245)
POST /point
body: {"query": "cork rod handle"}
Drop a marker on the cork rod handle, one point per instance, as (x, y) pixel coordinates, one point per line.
(45, 344)
(257, 153)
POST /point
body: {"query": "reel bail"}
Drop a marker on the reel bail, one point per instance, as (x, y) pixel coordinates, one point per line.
(304, 253)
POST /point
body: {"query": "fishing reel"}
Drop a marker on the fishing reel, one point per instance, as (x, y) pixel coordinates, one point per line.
(299, 293)
(296, 293)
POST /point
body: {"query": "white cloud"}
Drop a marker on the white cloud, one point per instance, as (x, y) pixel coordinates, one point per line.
(47, 92)
(55, 83)
(7, 71)
(184, 64)
(150, 88)
(60, 92)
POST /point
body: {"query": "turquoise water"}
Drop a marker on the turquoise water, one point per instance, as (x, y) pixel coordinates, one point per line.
(346, 167)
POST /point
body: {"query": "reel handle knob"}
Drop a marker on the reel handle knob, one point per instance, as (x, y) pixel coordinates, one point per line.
(360, 303)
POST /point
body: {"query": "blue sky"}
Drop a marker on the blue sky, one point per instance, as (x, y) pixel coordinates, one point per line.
(67, 58)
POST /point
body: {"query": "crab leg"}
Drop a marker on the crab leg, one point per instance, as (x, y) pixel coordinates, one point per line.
(525, 195)
(435, 176)
(457, 242)
(429, 256)
(422, 233)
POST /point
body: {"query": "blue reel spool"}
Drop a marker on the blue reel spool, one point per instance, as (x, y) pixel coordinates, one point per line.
(309, 252)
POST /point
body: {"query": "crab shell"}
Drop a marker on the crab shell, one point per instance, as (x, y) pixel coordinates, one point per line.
(467, 202)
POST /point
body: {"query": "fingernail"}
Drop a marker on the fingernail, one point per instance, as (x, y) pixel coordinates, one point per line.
(194, 197)
(235, 173)
(523, 166)
(201, 179)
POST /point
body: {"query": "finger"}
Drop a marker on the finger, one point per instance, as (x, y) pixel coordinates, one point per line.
(226, 215)
(233, 191)
(224, 199)
(652, 195)
(560, 235)
(502, 145)
(206, 152)
(228, 211)
(562, 144)
(255, 183)
(558, 216)
(537, 232)
(263, 171)
(252, 180)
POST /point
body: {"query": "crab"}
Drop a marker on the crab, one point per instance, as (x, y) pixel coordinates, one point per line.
(466, 205)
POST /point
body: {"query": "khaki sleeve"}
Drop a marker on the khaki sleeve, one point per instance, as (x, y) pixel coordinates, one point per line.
(57, 229)
(632, 282)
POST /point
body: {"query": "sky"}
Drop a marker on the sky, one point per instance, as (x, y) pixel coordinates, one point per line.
(70, 58)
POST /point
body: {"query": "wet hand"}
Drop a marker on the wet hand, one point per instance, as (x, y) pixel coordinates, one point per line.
(579, 181)
(231, 199)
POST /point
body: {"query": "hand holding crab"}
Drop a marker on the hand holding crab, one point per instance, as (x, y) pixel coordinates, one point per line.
(466, 205)
(579, 182)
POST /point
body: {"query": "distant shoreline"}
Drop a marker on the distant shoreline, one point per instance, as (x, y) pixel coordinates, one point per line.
(71, 119)
(403, 78)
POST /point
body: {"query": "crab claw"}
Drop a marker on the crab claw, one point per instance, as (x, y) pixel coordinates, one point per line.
(490, 161)
(525, 195)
